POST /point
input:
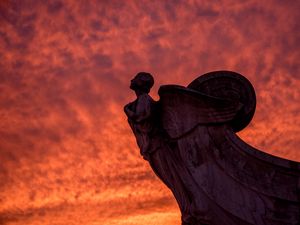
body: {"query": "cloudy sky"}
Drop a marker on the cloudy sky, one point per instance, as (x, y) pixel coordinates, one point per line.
(67, 153)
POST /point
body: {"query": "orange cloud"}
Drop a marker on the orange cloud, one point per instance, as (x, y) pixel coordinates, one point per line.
(65, 145)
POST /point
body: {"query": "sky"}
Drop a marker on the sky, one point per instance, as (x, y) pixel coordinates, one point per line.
(67, 153)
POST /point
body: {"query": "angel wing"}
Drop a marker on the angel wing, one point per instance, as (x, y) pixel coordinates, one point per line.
(182, 109)
(239, 184)
(213, 98)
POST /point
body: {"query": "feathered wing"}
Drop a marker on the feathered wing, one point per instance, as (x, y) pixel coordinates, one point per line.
(229, 85)
(182, 109)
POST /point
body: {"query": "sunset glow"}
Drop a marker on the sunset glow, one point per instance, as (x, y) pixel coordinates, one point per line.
(68, 156)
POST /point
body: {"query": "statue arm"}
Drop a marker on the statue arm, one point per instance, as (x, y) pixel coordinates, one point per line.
(143, 108)
(128, 111)
(142, 111)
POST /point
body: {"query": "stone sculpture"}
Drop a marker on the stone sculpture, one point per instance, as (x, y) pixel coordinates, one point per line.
(188, 137)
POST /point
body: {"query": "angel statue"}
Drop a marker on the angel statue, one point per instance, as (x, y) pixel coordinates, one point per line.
(188, 137)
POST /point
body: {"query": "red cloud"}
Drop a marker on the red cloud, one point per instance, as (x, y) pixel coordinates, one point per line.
(65, 68)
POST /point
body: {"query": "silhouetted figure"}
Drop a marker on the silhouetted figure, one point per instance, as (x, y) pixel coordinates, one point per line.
(189, 139)
(154, 147)
(140, 112)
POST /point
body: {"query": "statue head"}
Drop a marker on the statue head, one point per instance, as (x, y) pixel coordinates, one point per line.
(142, 82)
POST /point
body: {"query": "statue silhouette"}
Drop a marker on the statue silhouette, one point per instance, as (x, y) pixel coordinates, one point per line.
(188, 137)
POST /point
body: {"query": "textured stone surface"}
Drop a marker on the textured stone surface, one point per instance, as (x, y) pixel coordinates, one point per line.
(189, 139)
